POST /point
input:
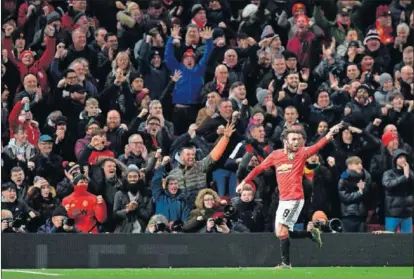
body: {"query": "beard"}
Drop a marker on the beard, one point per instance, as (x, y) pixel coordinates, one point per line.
(135, 187)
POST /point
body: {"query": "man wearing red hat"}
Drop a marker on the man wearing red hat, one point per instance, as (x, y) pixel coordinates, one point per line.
(186, 95)
(298, 9)
(26, 63)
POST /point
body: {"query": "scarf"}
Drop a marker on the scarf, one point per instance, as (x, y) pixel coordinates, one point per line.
(200, 24)
(385, 34)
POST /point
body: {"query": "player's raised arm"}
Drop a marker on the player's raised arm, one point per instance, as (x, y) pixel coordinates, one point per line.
(257, 170)
(309, 151)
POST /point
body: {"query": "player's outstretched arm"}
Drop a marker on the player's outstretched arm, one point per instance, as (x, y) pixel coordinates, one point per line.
(323, 141)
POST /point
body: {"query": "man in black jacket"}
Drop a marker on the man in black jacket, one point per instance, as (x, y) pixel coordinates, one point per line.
(353, 187)
(399, 194)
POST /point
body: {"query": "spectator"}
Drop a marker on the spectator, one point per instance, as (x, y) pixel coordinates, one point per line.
(184, 108)
(169, 202)
(86, 208)
(19, 179)
(194, 178)
(65, 187)
(249, 212)
(353, 187)
(46, 164)
(398, 182)
(132, 204)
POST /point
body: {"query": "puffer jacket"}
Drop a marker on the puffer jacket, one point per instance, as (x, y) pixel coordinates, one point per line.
(173, 207)
(399, 191)
(352, 201)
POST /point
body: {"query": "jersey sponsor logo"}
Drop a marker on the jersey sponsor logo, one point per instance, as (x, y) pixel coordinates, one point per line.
(77, 212)
(284, 168)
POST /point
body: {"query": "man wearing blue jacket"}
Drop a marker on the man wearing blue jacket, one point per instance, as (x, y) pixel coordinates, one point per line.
(186, 95)
(169, 202)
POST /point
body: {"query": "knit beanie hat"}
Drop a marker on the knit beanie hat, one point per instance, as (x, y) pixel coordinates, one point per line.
(59, 211)
(372, 34)
(217, 33)
(382, 10)
(267, 32)
(78, 178)
(384, 78)
(319, 215)
(261, 94)
(140, 96)
(24, 52)
(388, 137)
(134, 75)
(189, 53)
(195, 9)
(132, 168)
(53, 16)
(78, 16)
(298, 6)
(70, 166)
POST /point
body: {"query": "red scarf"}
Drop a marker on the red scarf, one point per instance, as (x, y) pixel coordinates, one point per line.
(385, 34)
(200, 24)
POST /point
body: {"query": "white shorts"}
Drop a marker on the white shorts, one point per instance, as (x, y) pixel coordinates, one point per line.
(288, 213)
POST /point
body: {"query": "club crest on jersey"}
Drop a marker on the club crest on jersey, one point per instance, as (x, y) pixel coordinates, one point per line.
(291, 156)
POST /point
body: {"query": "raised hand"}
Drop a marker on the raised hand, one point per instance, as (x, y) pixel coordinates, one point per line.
(175, 32)
(177, 75)
(229, 130)
(207, 33)
(334, 130)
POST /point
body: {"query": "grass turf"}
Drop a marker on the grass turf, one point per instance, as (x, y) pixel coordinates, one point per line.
(298, 272)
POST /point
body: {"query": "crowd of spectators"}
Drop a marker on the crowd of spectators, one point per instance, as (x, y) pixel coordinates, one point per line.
(143, 116)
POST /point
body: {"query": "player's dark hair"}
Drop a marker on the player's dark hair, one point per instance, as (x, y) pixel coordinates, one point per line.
(289, 131)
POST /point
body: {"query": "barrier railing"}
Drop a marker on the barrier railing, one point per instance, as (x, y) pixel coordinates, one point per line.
(199, 250)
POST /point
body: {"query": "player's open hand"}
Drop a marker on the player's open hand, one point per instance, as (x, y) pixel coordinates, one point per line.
(239, 187)
(334, 130)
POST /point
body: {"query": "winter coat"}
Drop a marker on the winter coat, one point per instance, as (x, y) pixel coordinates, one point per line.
(352, 201)
(194, 225)
(39, 67)
(155, 79)
(88, 53)
(91, 156)
(323, 192)
(49, 167)
(331, 114)
(43, 207)
(173, 207)
(383, 97)
(81, 144)
(251, 214)
(83, 207)
(188, 88)
(28, 151)
(361, 115)
(125, 220)
(64, 188)
(192, 180)
(333, 28)
(399, 191)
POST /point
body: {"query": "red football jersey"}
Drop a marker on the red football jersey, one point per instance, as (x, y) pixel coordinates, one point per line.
(289, 171)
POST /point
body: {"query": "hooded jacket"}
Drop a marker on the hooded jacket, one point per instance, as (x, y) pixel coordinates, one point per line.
(399, 190)
(83, 207)
(352, 201)
(173, 207)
